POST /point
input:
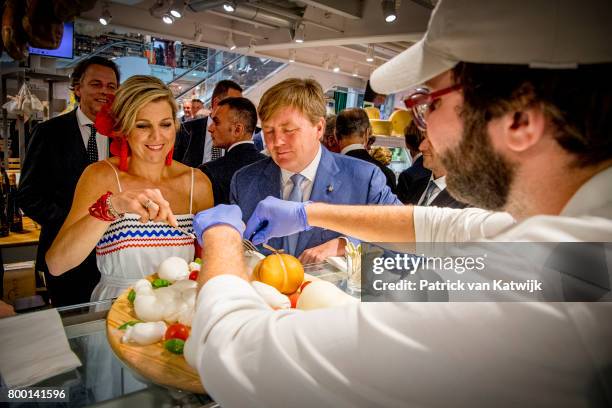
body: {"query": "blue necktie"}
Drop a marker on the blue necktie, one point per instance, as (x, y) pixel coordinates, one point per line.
(295, 195)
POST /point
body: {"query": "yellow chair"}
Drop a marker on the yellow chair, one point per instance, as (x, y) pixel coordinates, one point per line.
(372, 112)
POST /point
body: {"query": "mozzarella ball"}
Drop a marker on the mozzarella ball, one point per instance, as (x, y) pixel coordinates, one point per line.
(173, 269)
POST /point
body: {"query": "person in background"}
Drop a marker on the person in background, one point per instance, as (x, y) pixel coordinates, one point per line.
(193, 142)
(533, 139)
(329, 137)
(59, 151)
(233, 123)
(187, 114)
(416, 173)
(292, 115)
(142, 193)
(198, 110)
(351, 132)
(431, 191)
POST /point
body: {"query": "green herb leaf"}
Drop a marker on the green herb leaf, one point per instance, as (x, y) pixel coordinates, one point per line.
(132, 296)
(160, 283)
(127, 324)
(175, 346)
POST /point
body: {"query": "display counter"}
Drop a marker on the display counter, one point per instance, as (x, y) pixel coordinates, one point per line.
(104, 380)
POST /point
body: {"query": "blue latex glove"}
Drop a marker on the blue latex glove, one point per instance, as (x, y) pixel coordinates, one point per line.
(274, 218)
(221, 214)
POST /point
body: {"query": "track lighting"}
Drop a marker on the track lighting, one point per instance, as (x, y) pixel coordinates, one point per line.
(355, 71)
(230, 41)
(389, 12)
(229, 6)
(292, 55)
(177, 8)
(299, 34)
(335, 65)
(370, 53)
(168, 18)
(197, 34)
(105, 17)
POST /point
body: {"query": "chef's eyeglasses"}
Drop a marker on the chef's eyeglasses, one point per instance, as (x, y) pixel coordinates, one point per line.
(421, 99)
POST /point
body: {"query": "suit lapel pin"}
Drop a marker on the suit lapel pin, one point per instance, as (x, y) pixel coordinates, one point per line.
(330, 188)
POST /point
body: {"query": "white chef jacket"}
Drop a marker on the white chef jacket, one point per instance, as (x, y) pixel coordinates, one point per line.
(416, 354)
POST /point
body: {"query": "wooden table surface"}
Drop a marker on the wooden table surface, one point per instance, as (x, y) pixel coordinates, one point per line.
(29, 236)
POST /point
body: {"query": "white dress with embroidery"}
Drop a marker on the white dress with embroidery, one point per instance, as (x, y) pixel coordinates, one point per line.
(130, 250)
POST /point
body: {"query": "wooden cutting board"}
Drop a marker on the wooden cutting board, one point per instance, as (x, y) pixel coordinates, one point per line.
(153, 362)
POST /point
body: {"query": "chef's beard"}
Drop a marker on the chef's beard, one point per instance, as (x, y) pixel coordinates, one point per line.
(476, 173)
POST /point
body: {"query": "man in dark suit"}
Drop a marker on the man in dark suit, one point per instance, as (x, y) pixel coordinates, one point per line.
(58, 152)
(411, 179)
(352, 132)
(292, 115)
(233, 123)
(432, 191)
(194, 145)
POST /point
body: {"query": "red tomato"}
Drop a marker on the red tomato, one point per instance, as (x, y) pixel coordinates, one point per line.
(193, 276)
(294, 298)
(303, 285)
(177, 331)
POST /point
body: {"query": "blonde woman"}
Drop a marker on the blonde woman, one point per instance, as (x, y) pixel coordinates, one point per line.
(127, 207)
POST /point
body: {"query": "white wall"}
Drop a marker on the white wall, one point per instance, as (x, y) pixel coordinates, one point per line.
(327, 79)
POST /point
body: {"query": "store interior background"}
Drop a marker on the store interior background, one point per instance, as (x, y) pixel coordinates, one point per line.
(262, 42)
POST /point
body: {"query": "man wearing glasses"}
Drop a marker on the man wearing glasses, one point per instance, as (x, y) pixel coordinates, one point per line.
(519, 106)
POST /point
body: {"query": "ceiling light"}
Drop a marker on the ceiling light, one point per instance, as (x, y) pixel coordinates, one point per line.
(168, 18)
(335, 65)
(355, 71)
(105, 17)
(388, 7)
(229, 6)
(230, 41)
(292, 55)
(299, 34)
(177, 8)
(370, 53)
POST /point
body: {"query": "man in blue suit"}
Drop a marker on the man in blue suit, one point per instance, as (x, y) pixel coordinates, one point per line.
(292, 115)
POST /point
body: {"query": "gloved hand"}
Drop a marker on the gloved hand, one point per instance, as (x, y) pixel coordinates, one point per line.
(274, 218)
(220, 214)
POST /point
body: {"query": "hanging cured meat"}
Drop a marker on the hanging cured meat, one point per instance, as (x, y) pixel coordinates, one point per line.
(43, 29)
(13, 35)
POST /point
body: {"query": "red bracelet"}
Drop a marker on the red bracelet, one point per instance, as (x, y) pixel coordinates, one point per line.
(103, 210)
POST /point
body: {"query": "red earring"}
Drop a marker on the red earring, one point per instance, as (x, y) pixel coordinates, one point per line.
(169, 156)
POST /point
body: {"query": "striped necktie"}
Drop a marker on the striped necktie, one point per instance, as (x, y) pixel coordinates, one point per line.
(92, 146)
(432, 188)
(296, 195)
(216, 153)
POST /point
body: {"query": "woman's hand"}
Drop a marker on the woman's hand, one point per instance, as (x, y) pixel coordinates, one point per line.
(150, 204)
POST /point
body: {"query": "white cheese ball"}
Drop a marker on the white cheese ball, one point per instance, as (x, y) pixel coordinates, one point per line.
(173, 269)
(183, 285)
(148, 308)
(271, 295)
(145, 333)
(142, 285)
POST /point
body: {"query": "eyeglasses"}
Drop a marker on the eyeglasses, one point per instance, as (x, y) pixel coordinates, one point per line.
(421, 99)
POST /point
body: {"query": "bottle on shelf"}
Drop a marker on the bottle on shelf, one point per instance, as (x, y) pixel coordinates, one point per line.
(16, 216)
(5, 226)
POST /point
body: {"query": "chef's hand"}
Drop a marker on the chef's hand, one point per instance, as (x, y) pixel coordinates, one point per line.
(274, 218)
(320, 253)
(220, 214)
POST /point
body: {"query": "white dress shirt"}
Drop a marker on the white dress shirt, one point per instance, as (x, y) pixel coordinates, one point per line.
(101, 140)
(309, 173)
(416, 354)
(239, 143)
(351, 147)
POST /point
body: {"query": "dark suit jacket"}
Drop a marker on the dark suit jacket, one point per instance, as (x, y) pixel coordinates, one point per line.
(443, 199)
(364, 155)
(189, 144)
(410, 181)
(221, 171)
(53, 163)
(339, 179)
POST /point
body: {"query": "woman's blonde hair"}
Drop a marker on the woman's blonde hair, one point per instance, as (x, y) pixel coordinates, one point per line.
(305, 95)
(133, 94)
